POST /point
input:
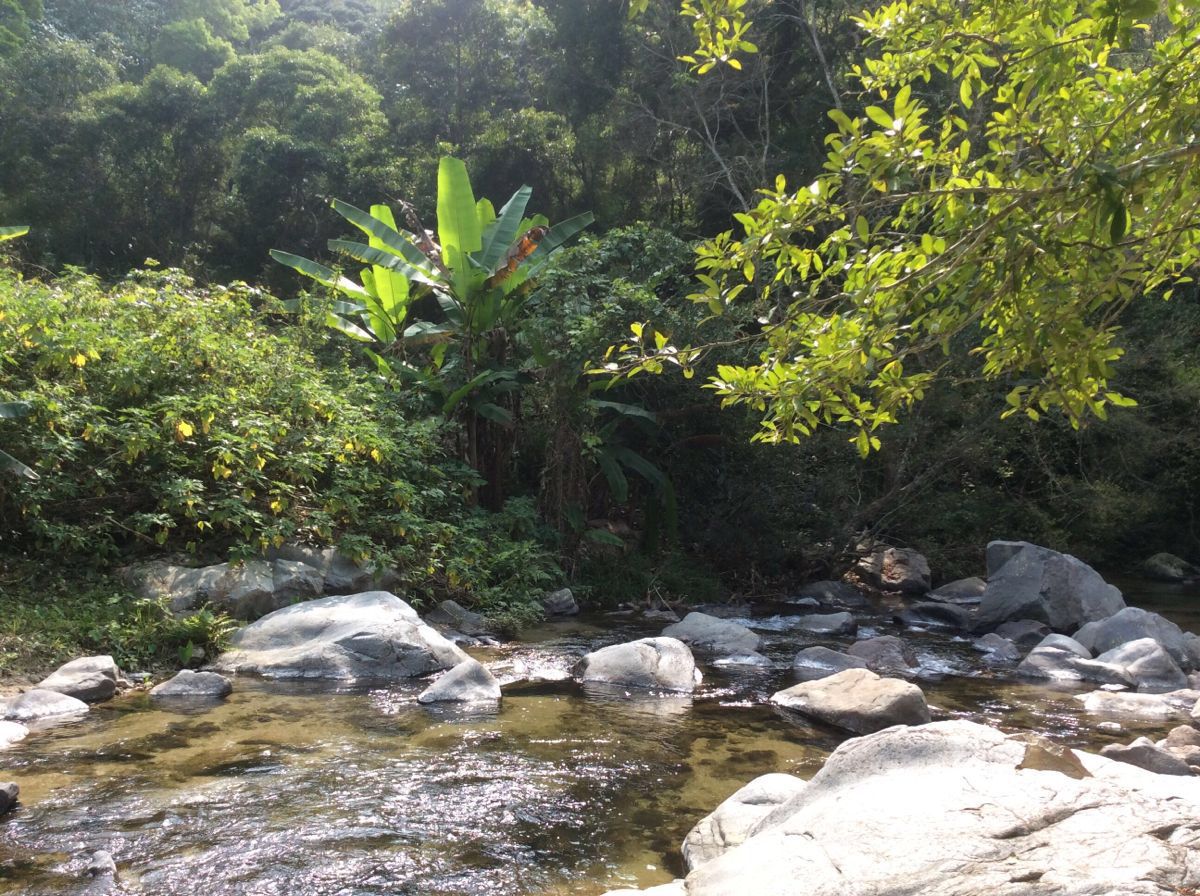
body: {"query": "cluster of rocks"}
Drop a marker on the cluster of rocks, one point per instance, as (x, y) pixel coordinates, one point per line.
(949, 808)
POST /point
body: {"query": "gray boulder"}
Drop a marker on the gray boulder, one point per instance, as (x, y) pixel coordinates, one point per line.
(965, 592)
(185, 589)
(651, 663)
(89, 678)
(812, 663)
(885, 655)
(205, 685)
(827, 624)
(996, 649)
(38, 704)
(710, 635)
(293, 581)
(1183, 742)
(951, 809)
(560, 603)
(453, 615)
(827, 592)
(1030, 582)
(857, 700)
(468, 682)
(1148, 666)
(1134, 623)
(933, 615)
(9, 793)
(339, 573)
(1145, 754)
(1025, 633)
(11, 732)
(895, 569)
(373, 635)
(1059, 658)
(1169, 568)
(730, 823)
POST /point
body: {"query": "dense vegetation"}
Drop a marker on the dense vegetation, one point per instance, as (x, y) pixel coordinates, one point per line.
(429, 415)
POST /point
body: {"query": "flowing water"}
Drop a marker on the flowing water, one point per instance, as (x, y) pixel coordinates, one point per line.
(305, 790)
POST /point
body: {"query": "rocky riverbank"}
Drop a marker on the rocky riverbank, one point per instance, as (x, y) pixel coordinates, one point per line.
(864, 667)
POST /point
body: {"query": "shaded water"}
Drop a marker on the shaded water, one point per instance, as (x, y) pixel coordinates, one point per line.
(306, 790)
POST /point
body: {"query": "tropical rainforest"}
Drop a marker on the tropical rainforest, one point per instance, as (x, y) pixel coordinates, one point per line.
(396, 276)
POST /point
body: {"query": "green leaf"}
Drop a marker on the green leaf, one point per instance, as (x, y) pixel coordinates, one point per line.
(458, 220)
(555, 237)
(628, 410)
(318, 272)
(12, 409)
(393, 240)
(493, 412)
(372, 256)
(603, 536)
(879, 116)
(614, 475)
(10, 464)
(506, 230)
(11, 233)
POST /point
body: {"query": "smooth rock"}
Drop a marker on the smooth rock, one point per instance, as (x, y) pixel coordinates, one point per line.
(650, 663)
(1147, 664)
(946, 810)
(560, 603)
(730, 823)
(754, 660)
(468, 682)
(885, 655)
(247, 590)
(11, 732)
(938, 616)
(1059, 658)
(1026, 581)
(1133, 624)
(1169, 568)
(828, 624)
(997, 649)
(37, 704)
(813, 663)
(454, 615)
(965, 592)
(857, 700)
(293, 581)
(895, 569)
(807, 603)
(674, 888)
(1147, 707)
(9, 793)
(206, 685)
(185, 589)
(710, 635)
(373, 635)
(89, 678)
(1144, 754)
(1183, 742)
(834, 593)
(339, 573)
(1025, 633)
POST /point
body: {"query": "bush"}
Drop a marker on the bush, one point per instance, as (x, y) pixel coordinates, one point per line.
(172, 418)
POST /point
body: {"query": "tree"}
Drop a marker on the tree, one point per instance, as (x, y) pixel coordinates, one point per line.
(15, 16)
(1023, 175)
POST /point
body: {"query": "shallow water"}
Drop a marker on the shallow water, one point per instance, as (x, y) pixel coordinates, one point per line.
(306, 790)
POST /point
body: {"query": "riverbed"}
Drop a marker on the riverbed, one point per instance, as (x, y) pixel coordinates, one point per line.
(302, 790)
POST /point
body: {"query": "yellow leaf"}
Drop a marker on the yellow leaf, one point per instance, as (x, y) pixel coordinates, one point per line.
(376, 455)
(183, 430)
(79, 359)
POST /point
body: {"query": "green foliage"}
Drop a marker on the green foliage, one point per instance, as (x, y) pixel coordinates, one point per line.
(1013, 220)
(15, 19)
(48, 617)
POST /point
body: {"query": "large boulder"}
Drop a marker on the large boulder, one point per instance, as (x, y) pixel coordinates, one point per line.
(997, 650)
(812, 663)
(651, 663)
(39, 704)
(373, 635)
(560, 603)
(1183, 742)
(339, 574)
(182, 587)
(1025, 633)
(895, 569)
(1133, 624)
(1030, 582)
(927, 614)
(715, 637)
(953, 809)
(1148, 666)
(729, 824)
(1145, 754)
(885, 655)
(194, 685)
(454, 615)
(89, 678)
(1143, 707)
(857, 700)
(1059, 658)
(244, 590)
(468, 682)
(1169, 568)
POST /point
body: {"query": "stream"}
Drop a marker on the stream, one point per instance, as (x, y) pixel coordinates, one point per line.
(300, 790)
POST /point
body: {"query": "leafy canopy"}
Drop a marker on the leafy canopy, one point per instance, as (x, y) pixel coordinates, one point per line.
(1022, 173)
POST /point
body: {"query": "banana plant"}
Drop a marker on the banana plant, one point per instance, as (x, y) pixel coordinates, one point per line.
(478, 264)
(11, 233)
